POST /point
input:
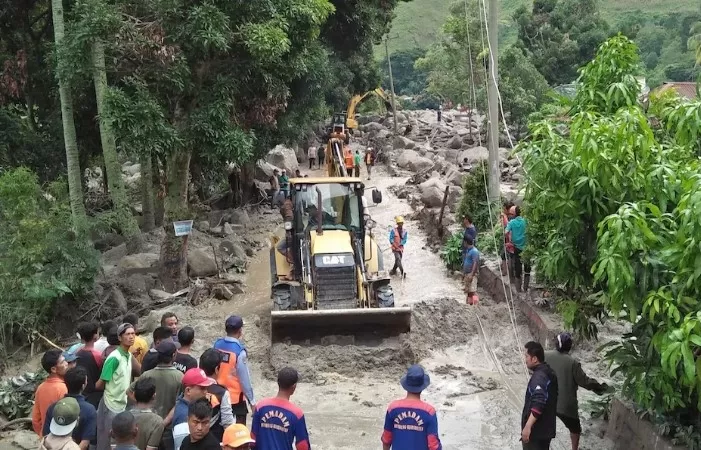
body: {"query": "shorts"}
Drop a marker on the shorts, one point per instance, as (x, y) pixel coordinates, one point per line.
(572, 423)
(540, 444)
(470, 286)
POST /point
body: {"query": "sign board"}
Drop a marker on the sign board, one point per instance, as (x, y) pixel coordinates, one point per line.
(182, 227)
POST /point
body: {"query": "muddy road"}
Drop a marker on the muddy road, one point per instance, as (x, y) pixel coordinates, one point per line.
(471, 353)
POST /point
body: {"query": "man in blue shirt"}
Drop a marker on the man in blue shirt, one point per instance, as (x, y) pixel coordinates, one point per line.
(411, 423)
(277, 422)
(516, 231)
(470, 229)
(470, 268)
(85, 432)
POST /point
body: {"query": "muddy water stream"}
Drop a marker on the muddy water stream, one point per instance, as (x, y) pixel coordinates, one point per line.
(477, 378)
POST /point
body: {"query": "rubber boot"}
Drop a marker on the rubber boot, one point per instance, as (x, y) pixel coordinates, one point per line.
(526, 282)
(517, 281)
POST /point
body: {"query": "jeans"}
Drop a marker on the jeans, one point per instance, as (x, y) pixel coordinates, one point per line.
(311, 163)
(397, 263)
(520, 266)
(104, 426)
(369, 166)
(357, 171)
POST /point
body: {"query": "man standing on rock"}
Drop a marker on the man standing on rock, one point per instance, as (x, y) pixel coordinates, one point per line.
(114, 380)
(411, 422)
(570, 376)
(397, 239)
(233, 371)
(277, 422)
(540, 406)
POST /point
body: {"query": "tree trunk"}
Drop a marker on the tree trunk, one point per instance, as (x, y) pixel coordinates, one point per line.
(147, 205)
(69, 135)
(173, 259)
(158, 181)
(127, 221)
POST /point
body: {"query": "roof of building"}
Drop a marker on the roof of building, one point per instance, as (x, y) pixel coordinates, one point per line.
(686, 89)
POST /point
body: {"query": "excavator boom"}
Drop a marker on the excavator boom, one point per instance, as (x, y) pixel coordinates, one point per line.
(351, 122)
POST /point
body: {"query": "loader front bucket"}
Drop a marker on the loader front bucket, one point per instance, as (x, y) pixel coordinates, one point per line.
(359, 323)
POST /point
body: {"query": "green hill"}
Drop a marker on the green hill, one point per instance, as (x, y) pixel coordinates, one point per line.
(418, 22)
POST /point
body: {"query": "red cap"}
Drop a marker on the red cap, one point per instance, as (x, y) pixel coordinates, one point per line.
(196, 377)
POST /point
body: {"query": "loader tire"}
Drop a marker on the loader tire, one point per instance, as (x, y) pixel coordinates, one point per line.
(282, 300)
(385, 296)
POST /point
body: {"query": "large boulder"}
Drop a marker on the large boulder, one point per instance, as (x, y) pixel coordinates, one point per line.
(264, 170)
(240, 217)
(432, 192)
(402, 142)
(453, 176)
(138, 261)
(372, 126)
(473, 155)
(409, 159)
(455, 142)
(284, 158)
(200, 264)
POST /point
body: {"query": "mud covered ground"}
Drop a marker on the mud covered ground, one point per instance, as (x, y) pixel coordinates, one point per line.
(473, 354)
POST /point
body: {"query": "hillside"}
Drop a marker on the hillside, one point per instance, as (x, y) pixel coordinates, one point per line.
(418, 22)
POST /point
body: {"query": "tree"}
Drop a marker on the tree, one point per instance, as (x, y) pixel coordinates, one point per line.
(407, 79)
(69, 134)
(611, 201)
(694, 41)
(560, 36)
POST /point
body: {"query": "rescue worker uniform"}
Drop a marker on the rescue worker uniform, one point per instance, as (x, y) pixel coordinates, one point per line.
(397, 239)
(233, 371)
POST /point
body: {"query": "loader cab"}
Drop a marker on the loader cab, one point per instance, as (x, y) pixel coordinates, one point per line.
(341, 206)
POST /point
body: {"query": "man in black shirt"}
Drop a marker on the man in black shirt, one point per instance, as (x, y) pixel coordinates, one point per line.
(90, 358)
(150, 361)
(183, 360)
(540, 406)
(199, 415)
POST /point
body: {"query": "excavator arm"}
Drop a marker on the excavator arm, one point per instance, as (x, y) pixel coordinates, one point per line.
(351, 122)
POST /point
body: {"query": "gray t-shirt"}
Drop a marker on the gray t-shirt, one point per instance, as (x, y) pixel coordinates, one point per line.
(168, 381)
(150, 428)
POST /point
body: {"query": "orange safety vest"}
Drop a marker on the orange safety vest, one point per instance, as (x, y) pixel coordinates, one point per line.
(397, 244)
(228, 377)
(348, 156)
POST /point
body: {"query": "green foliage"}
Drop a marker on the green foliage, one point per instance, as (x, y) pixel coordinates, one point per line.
(613, 204)
(474, 200)
(17, 394)
(452, 250)
(560, 35)
(408, 80)
(43, 261)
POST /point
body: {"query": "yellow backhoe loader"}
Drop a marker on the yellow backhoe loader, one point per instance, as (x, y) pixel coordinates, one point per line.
(328, 276)
(351, 122)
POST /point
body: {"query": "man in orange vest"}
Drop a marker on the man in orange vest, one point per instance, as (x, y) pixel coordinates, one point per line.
(233, 371)
(397, 239)
(348, 158)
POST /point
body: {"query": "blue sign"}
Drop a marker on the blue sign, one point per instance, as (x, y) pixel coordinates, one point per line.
(182, 227)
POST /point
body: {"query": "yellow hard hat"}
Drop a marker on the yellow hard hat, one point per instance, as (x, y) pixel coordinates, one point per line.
(399, 219)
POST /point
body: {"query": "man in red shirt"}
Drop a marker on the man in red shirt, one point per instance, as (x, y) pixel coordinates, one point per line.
(51, 390)
(411, 422)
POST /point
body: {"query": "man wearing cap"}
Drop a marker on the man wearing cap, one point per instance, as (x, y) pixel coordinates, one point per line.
(195, 384)
(51, 390)
(114, 380)
(84, 434)
(277, 422)
(411, 422)
(65, 419)
(233, 371)
(570, 376)
(397, 239)
(237, 437)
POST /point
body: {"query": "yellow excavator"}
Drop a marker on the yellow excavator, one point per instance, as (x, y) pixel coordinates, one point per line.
(351, 122)
(327, 273)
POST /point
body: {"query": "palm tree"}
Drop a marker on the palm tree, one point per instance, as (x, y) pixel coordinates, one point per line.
(694, 41)
(127, 221)
(75, 189)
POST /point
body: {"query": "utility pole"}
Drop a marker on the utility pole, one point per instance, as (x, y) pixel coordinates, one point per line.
(493, 35)
(391, 84)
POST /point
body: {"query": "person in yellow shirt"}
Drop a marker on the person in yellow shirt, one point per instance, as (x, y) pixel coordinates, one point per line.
(140, 346)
